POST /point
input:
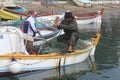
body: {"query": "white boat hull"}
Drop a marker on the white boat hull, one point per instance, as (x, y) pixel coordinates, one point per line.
(46, 74)
(41, 64)
(17, 60)
(51, 19)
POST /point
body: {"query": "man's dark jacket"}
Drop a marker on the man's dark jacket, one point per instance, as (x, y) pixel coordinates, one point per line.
(69, 27)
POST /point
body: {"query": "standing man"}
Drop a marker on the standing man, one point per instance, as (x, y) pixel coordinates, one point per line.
(30, 24)
(70, 27)
(29, 27)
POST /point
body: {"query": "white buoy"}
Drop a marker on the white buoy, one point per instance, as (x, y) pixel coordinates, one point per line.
(14, 66)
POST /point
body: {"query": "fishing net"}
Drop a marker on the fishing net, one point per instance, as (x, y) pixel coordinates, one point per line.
(53, 46)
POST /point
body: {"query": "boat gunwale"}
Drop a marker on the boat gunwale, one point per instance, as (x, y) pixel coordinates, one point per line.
(25, 13)
(86, 16)
(14, 12)
(46, 56)
(90, 15)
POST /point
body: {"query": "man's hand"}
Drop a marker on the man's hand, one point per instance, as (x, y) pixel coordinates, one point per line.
(56, 25)
(38, 30)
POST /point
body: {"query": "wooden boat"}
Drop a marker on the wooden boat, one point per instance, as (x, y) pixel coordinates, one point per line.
(15, 12)
(52, 74)
(88, 18)
(14, 58)
(16, 8)
(25, 13)
(9, 14)
(82, 3)
(11, 6)
(85, 18)
(93, 27)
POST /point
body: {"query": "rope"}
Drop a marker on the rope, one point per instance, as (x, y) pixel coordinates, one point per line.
(5, 66)
(24, 63)
(101, 36)
(88, 34)
(33, 63)
(108, 46)
(10, 45)
(104, 44)
(41, 45)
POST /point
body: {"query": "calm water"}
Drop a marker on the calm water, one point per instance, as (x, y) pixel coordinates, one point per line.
(107, 59)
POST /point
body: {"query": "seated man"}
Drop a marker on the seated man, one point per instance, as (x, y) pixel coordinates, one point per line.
(70, 27)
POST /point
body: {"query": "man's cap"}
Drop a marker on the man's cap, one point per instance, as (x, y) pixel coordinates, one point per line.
(68, 15)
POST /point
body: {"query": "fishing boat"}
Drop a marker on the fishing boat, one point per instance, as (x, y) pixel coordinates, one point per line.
(82, 3)
(25, 13)
(14, 58)
(9, 14)
(47, 21)
(16, 8)
(93, 27)
(11, 6)
(85, 18)
(52, 74)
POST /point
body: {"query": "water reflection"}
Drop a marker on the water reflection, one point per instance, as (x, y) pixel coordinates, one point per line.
(108, 53)
(112, 39)
(10, 78)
